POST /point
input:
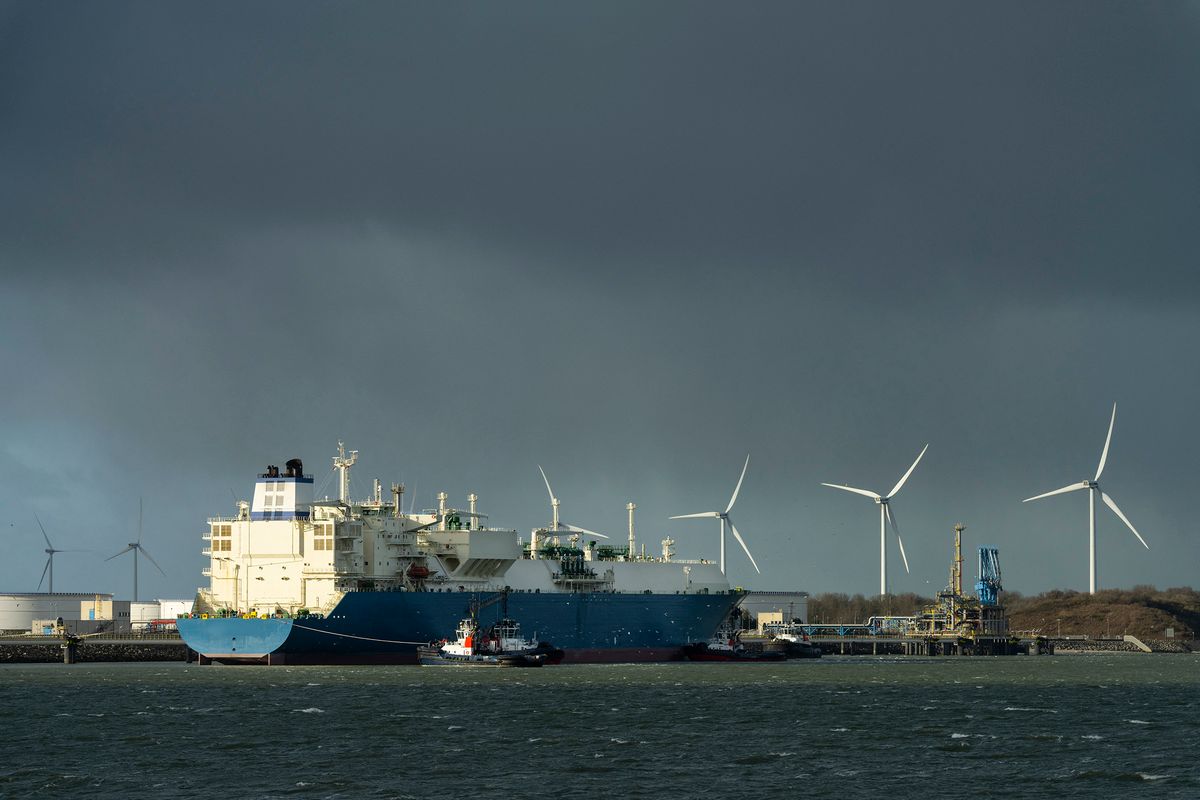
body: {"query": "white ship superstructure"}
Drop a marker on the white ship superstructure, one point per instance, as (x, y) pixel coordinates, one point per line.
(285, 552)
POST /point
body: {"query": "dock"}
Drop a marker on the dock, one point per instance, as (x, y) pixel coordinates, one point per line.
(105, 647)
(929, 646)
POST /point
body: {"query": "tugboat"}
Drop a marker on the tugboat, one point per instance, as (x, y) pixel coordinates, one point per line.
(500, 645)
(725, 646)
(796, 643)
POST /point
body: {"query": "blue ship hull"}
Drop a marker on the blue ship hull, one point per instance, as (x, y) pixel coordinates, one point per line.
(387, 627)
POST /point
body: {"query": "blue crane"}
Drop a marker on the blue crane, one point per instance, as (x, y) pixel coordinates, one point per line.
(988, 587)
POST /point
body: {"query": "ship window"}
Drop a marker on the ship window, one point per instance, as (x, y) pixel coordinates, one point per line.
(323, 536)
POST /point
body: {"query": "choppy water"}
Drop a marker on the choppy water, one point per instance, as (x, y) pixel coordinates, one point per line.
(1069, 726)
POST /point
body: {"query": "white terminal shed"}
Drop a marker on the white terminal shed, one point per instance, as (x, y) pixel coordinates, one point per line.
(19, 610)
(82, 612)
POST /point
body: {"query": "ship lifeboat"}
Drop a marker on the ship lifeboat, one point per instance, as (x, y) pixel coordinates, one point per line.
(418, 571)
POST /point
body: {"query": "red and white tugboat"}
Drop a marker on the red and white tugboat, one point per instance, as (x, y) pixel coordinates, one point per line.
(500, 645)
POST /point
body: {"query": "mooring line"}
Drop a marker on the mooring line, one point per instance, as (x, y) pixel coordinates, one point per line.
(351, 636)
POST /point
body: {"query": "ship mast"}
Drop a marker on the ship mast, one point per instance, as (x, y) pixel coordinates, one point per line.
(398, 495)
(342, 464)
(630, 507)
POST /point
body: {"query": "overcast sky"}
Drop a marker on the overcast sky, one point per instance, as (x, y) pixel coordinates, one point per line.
(630, 242)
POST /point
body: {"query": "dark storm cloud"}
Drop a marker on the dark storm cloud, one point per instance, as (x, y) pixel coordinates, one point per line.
(1054, 147)
(627, 241)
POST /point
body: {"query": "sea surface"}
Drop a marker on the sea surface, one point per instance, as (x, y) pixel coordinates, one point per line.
(1099, 726)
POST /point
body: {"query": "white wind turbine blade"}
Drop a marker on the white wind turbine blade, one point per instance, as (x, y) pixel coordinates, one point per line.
(44, 536)
(863, 492)
(426, 526)
(1107, 441)
(44, 571)
(123, 552)
(139, 539)
(900, 483)
(697, 516)
(547, 480)
(1108, 501)
(585, 531)
(742, 542)
(152, 561)
(738, 488)
(1074, 487)
(896, 530)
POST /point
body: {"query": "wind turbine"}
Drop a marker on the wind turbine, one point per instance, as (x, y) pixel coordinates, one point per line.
(555, 524)
(50, 551)
(136, 547)
(886, 518)
(1093, 487)
(724, 517)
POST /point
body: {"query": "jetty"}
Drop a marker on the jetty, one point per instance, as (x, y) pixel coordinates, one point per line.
(104, 647)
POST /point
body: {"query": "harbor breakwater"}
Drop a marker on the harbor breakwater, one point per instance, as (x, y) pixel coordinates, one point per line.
(1123, 645)
(49, 650)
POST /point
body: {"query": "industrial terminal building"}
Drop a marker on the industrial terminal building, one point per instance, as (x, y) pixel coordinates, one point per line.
(82, 612)
(778, 608)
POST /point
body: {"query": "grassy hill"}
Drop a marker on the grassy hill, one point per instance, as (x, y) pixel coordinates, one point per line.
(1143, 611)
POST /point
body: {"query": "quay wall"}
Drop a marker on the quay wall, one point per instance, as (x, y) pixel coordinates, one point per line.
(50, 651)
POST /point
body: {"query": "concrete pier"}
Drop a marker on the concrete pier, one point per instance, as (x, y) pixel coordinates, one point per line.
(112, 648)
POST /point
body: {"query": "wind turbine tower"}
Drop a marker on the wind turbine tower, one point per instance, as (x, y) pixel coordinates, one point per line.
(50, 551)
(725, 518)
(136, 548)
(1093, 487)
(886, 519)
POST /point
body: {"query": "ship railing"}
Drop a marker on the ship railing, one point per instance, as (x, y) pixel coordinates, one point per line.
(206, 551)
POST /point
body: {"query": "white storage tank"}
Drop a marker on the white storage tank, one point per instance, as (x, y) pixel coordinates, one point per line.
(18, 610)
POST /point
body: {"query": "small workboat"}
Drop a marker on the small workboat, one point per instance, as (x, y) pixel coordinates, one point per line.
(796, 643)
(725, 646)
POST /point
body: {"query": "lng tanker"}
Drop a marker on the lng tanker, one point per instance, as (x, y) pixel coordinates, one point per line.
(296, 580)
